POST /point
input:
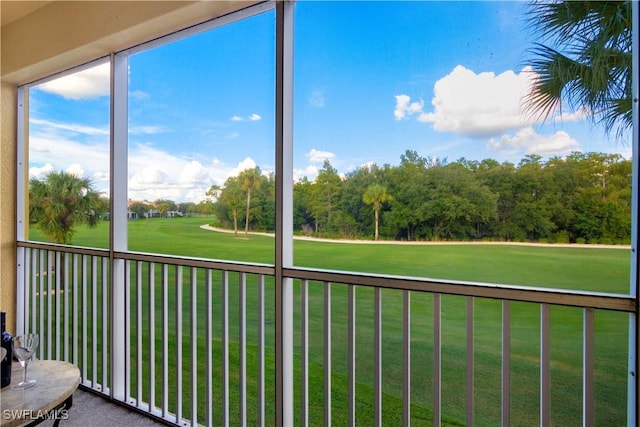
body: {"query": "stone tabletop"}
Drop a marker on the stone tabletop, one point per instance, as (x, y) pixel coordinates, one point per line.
(57, 380)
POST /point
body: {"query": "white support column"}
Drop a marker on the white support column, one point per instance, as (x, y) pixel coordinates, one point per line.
(284, 214)
(633, 397)
(118, 219)
(22, 301)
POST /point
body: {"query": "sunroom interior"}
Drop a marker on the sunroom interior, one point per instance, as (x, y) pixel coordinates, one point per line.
(255, 342)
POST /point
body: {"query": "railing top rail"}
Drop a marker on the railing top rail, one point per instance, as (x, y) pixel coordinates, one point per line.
(64, 248)
(599, 300)
(244, 267)
(572, 298)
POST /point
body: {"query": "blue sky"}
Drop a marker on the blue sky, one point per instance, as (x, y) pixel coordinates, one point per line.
(371, 80)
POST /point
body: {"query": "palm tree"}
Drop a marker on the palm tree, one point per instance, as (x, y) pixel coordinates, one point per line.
(250, 180)
(590, 65)
(375, 195)
(60, 202)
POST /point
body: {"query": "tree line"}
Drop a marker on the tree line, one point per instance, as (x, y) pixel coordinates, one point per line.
(583, 198)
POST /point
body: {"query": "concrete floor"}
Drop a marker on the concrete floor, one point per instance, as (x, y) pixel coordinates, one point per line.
(91, 410)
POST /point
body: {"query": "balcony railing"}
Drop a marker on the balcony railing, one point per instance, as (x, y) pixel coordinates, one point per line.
(201, 336)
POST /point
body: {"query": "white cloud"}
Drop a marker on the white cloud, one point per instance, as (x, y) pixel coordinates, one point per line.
(57, 152)
(316, 156)
(478, 105)
(317, 99)
(253, 118)
(40, 173)
(149, 175)
(71, 127)
(90, 83)
(572, 116)
(247, 163)
(527, 141)
(152, 173)
(76, 170)
(146, 130)
(310, 172)
(193, 173)
(405, 108)
(138, 94)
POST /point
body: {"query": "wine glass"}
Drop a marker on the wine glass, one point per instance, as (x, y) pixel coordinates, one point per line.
(23, 348)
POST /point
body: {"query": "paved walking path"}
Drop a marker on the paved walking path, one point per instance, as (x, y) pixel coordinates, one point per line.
(399, 242)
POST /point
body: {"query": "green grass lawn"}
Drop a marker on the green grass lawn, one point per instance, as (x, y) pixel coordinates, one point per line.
(594, 269)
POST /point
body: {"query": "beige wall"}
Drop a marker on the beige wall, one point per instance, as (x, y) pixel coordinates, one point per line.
(41, 38)
(7, 203)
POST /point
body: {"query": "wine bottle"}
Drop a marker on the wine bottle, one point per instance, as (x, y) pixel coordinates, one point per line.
(7, 345)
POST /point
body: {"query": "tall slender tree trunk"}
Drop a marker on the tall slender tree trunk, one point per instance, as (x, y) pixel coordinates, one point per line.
(377, 215)
(246, 221)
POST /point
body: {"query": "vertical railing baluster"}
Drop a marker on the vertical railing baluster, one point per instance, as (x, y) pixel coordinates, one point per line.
(437, 360)
(178, 309)
(304, 351)
(58, 297)
(377, 356)
(41, 282)
(127, 330)
(34, 292)
(261, 361)
(406, 357)
(105, 322)
(506, 363)
(84, 309)
(588, 393)
(67, 290)
(139, 334)
(194, 345)
(470, 369)
(165, 340)
(49, 294)
(29, 277)
(75, 309)
(242, 338)
(28, 283)
(351, 350)
(94, 322)
(151, 282)
(545, 366)
(225, 348)
(209, 350)
(327, 353)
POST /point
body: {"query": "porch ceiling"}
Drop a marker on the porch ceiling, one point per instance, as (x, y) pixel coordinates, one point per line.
(12, 10)
(40, 38)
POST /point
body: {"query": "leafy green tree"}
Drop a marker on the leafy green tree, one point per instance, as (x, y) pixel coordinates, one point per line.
(302, 196)
(187, 207)
(164, 206)
(249, 179)
(262, 211)
(230, 202)
(589, 61)
(354, 186)
(376, 195)
(408, 183)
(140, 208)
(205, 207)
(326, 196)
(62, 201)
(531, 189)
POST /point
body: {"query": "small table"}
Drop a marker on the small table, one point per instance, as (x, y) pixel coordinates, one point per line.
(50, 398)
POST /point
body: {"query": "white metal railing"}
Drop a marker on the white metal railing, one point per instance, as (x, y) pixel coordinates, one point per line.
(199, 349)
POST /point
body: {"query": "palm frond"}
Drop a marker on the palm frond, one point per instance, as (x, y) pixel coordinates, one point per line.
(583, 57)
